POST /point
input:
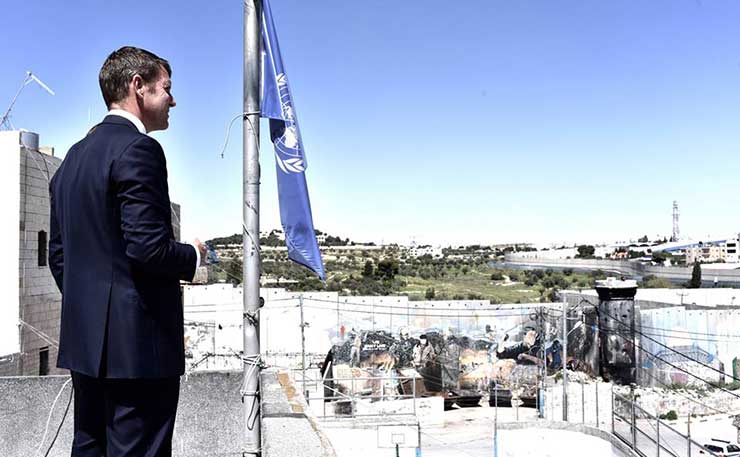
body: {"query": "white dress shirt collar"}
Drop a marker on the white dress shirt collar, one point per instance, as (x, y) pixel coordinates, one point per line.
(126, 115)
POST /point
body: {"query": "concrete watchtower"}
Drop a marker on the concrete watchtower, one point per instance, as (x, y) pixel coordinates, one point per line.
(618, 319)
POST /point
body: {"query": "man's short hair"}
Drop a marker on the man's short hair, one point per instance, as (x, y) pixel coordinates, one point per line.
(122, 65)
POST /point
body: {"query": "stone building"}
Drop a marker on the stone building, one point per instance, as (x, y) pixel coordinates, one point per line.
(31, 303)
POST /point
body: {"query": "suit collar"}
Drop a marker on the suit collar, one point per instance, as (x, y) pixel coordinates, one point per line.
(121, 117)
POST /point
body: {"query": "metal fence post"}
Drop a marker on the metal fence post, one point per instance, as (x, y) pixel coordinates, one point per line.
(413, 391)
(597, 403)
(688, 432)
(418, 438)
(583, 403)
(613, 412)
(495, 421)
(657, 434)
(352, 397)
(634, 425)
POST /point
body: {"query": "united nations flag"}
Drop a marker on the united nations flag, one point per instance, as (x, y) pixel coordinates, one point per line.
(277, 105)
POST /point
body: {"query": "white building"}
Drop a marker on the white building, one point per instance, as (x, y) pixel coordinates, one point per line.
(714, 251)
(422, 250)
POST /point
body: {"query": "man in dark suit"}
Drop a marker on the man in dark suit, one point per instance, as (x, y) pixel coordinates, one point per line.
(113, 255)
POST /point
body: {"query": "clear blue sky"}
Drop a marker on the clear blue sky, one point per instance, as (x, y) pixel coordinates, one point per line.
(473, 121)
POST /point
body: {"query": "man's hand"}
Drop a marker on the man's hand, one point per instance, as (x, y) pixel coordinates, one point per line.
(203, 251)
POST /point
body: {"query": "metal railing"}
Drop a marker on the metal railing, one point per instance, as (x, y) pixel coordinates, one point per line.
(650, 436)
(588, 403)
(371, 392)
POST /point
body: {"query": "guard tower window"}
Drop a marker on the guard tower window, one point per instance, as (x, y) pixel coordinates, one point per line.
(42, 248)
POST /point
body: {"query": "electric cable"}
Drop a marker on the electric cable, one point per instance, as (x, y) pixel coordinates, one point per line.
(380, 305)
(673, 350)
(655, 356)
(687, 332)
(656, 379)
(40, 334)
(382, 313)
(231, 124)
(48, 419)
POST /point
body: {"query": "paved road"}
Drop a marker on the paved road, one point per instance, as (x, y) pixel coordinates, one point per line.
(672, 438)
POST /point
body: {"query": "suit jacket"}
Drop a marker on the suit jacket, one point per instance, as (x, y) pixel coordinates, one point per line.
(114, 258)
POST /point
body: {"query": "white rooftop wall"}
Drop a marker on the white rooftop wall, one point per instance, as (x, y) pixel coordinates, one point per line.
(9, 267)
(701, 297)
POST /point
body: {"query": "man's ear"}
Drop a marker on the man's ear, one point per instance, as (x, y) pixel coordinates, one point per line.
(137, 82)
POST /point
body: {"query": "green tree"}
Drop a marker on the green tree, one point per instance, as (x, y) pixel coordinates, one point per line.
(643, 239)
(661, 256)
(585, 251)
(653, 282)
(695, 281)
(387, 269)
(429, 294)
(497, 276)
(368, 270)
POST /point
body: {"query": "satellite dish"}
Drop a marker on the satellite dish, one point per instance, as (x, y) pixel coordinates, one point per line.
(30, 77)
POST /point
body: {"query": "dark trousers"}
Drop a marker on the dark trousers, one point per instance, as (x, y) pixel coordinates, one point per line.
(124, 417)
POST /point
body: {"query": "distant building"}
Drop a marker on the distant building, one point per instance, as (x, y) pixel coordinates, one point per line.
(713, 251)
(422, 250)
(560, 254)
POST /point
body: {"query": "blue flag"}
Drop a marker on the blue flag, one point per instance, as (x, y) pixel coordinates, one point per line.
(277, 105)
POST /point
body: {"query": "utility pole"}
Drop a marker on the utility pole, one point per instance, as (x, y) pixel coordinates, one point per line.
(303, 348)
(418, 438)
(565, 358)
(688, 432)
(250, 210)
(543, 356)
(495, 421)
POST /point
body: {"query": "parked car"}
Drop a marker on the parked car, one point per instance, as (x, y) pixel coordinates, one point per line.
(722, 448)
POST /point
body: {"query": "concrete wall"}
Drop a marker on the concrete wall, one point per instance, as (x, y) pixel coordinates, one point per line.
(209, 417)
(10, 364)
(219, 306)
(287, 429)
(707, 297)
(724, 276)
(176, 225)
(701, 327)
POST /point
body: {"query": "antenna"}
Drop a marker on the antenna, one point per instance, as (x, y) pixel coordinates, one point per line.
(676, 232)
(30, 77)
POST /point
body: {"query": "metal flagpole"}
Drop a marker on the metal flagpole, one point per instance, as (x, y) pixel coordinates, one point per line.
(303, 349)
(565, 359)
(251, 263)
